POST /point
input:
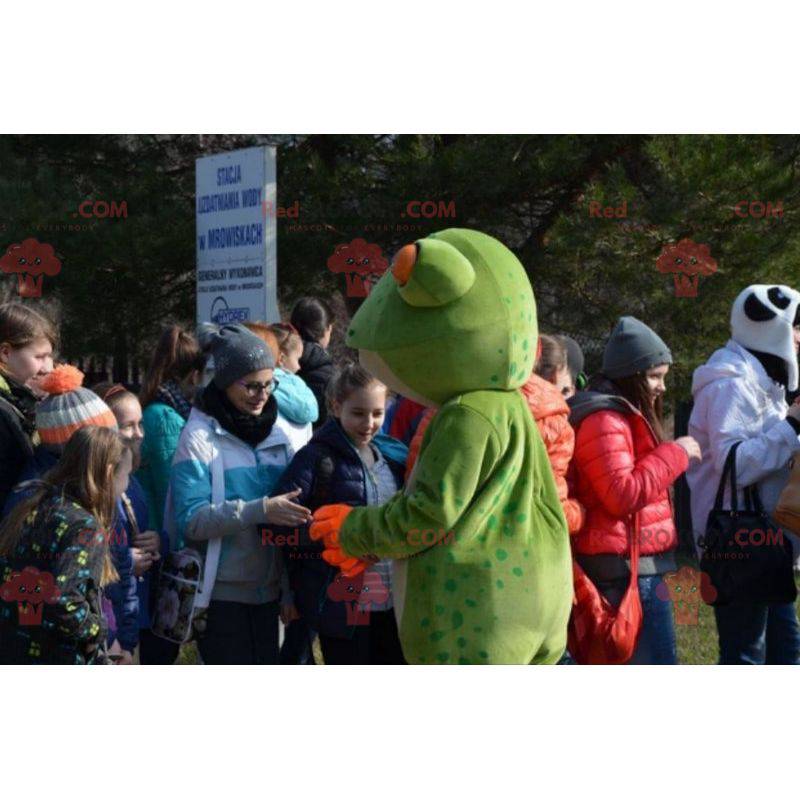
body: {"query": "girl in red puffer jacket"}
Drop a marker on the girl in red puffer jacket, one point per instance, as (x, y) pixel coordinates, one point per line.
(621, 467)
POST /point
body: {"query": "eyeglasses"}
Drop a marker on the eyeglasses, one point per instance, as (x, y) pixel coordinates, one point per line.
(254, 388)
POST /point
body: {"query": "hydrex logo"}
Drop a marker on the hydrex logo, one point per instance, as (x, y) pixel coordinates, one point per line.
(222, 313)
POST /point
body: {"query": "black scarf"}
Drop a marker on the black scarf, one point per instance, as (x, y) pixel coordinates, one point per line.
(776, 368)
(24, 400)
(250, 429)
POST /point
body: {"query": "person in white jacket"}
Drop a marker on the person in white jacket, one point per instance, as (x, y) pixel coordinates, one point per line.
(739, 396)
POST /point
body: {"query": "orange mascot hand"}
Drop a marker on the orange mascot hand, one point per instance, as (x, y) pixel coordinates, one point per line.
(349, 566)
(327, 523)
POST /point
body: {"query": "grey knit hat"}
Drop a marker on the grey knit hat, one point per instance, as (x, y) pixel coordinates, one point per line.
(238, 352)
(632, 348)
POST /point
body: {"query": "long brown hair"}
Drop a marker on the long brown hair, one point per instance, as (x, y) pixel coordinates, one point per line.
(176, 356)
(84, 473)
(634, 389)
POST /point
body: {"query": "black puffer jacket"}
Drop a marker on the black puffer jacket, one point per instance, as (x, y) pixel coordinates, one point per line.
(316, 369)
(17, 429)
(345, 481)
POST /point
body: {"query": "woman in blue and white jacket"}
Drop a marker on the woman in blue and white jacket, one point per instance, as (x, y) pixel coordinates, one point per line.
(236, 420)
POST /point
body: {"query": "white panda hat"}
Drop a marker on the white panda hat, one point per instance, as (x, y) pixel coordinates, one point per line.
(762, 318)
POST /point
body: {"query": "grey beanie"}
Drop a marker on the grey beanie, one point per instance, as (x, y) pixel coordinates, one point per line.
(238, 352)
(632, 348)
(574, 355)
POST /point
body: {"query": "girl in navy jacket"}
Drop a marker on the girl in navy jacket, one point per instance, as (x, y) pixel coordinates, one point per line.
(346, 461)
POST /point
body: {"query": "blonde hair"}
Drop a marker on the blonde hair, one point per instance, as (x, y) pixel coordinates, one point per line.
(82, 473)
(287, 337)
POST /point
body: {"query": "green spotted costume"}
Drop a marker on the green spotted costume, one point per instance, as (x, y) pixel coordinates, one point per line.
(460, 333)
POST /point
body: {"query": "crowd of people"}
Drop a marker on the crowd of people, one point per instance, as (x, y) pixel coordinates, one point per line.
(99, 486)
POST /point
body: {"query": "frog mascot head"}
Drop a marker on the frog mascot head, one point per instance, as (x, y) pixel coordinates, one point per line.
(454, 314)
(482, 570)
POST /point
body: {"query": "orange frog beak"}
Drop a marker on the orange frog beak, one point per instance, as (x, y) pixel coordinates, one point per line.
(403, 263)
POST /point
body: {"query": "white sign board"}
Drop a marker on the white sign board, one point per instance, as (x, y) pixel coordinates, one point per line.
(236, 239)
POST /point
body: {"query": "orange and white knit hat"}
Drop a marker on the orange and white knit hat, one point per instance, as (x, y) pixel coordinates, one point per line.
(68, 407)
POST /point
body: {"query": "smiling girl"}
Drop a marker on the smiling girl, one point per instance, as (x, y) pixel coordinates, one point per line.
(235, 432)
(27, 340)
(348, 461)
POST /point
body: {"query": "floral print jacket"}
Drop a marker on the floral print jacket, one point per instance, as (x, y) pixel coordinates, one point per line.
(50, 596)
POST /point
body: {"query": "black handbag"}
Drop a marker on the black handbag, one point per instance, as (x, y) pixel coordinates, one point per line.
(746, 555)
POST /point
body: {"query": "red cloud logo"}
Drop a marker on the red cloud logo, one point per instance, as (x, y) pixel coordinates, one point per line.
(687, 261)
(362, 262)
(30, 261)
(30, 590)
(686, 589)
(358, 593)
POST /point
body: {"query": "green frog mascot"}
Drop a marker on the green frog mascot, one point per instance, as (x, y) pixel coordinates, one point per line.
(483, 570)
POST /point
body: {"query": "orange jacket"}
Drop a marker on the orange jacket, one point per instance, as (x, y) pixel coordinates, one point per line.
(416, 440)
(551, 413)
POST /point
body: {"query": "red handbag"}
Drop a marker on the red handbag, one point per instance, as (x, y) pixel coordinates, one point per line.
(598, 633)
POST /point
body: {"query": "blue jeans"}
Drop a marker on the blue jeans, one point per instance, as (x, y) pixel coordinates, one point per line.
(657, 643)
(758, 634)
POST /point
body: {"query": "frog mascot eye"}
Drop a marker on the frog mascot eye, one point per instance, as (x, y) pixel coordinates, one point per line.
(432, 273)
